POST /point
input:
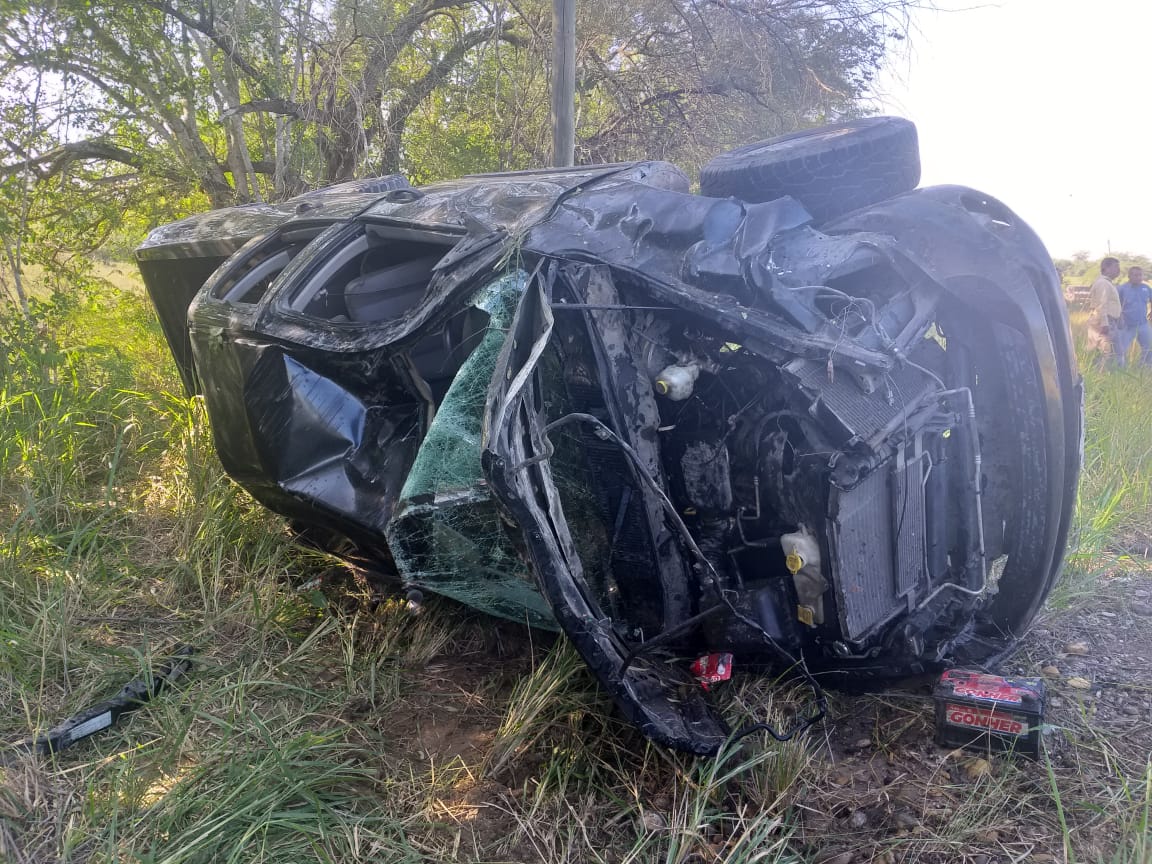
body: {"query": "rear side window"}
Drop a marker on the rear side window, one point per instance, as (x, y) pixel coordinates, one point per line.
(247, 279)
(368, 280)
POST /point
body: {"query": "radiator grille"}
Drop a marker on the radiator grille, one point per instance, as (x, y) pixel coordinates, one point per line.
(875, 569)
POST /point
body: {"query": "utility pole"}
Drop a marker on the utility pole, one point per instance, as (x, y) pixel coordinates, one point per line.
(563, 82)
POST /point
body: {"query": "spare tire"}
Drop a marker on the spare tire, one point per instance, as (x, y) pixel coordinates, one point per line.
(831, 170)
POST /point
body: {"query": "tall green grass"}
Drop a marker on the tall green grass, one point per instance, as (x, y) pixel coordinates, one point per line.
(328, 726)
(1113, 525)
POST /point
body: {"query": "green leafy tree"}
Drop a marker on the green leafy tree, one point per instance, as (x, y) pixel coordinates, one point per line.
(147, 110)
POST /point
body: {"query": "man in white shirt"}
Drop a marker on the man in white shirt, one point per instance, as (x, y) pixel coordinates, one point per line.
(1104, 301)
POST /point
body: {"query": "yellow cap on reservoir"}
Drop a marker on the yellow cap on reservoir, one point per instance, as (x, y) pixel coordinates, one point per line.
(793, 562)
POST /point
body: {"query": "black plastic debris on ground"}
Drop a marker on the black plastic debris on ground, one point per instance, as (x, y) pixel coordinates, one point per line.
(105, 714)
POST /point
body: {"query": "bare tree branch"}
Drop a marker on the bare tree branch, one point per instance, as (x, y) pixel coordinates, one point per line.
(283, 107)
(423, 87)
(225, 42)
(58, 158)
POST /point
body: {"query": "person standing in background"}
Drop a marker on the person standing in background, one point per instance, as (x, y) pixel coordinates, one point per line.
(1134, 299)
(1104, 301)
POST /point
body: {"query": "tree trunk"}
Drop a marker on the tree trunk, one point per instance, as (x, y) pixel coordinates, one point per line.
(238, 157)
(393, 139)
(13, 257)
(342, 148)
(283, 148)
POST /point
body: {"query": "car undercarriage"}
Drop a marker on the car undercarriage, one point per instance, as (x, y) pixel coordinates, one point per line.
(667, 424)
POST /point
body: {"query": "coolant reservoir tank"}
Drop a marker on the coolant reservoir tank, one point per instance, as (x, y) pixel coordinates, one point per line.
(802, 558)
(676, 381)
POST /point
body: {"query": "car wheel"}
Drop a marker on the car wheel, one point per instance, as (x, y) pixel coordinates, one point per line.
(1008, 341)
(831, 170)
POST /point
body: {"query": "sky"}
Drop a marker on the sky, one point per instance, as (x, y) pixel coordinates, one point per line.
(1044, 104)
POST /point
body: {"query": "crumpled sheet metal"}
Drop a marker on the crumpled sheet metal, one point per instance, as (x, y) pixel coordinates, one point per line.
(659, 698)
(481, 203)
(680, 247)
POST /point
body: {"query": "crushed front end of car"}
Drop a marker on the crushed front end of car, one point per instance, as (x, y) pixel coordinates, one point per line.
(664, 423)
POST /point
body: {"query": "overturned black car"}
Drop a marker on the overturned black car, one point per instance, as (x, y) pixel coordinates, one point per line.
(813, 416)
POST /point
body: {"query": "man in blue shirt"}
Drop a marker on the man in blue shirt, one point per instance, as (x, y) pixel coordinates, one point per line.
(1134, 299)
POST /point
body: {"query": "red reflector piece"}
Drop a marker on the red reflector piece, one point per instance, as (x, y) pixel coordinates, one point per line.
(987, 712)
(712, 669)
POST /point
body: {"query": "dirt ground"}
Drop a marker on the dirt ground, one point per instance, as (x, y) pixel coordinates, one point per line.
(893, 795)
(877, 788)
